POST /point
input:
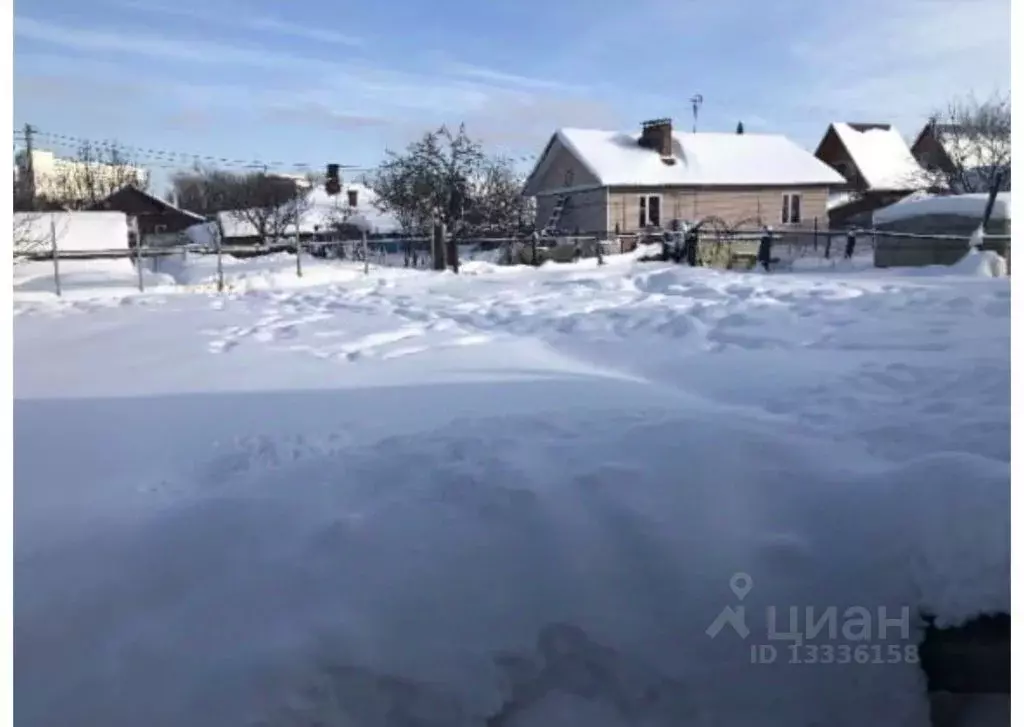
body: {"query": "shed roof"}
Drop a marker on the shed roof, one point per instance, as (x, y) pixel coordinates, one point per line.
(963, 205)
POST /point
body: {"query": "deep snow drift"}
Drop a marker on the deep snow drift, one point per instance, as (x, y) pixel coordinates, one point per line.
(514, 495)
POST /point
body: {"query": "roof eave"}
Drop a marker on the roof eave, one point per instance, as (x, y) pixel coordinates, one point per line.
(534, 174)
(830, 130)
(724, 185)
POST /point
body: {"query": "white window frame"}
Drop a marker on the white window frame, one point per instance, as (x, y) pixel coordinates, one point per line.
(786, 216)
(644, 206)
(569, 178)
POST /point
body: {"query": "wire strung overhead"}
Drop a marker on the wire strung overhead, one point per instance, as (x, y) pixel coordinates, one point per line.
(178, 160)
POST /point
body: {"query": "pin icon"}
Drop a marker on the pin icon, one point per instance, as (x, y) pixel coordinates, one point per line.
(741, 584)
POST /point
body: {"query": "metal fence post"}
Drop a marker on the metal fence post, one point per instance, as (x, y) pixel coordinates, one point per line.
(298, 245)
(54, 253)
(220, 262)
(366, 255)
(138, 262)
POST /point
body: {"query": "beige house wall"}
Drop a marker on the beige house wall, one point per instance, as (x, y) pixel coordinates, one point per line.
(750, 206)
(586, 211)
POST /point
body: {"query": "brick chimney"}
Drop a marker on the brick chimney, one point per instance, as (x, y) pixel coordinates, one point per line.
(656, 135)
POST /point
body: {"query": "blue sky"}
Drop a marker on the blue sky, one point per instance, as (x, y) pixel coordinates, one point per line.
(314, 81)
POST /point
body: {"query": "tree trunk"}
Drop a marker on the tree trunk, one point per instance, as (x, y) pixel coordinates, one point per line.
(437, 250)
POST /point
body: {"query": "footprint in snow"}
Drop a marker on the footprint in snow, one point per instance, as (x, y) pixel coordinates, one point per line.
(222, 346)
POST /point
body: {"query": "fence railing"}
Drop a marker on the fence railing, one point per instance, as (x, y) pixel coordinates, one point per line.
(720, 249)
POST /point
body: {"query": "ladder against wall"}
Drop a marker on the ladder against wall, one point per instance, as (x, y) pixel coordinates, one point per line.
(556, 215)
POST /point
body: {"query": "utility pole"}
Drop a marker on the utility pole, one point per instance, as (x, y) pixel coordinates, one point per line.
(29, 188)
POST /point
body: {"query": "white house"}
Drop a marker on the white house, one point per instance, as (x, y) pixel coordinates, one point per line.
(354, 205)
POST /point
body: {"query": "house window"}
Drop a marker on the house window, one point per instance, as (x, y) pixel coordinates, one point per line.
(650, 210)
(159, 228)
(791, 212)
(569, 176)
(353, 198)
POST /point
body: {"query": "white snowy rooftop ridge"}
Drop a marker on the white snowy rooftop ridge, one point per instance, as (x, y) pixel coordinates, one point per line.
(615, 158)
(881, 155)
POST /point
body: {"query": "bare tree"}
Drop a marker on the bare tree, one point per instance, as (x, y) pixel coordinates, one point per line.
(970, 146)
(33, 233)
(28, 235)
(398, 192)
(206, 191)
(269, 204)
(497, 201)
(96, 173)
(433, 177)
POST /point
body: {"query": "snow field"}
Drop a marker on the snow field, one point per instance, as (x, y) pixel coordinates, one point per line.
(515, 494)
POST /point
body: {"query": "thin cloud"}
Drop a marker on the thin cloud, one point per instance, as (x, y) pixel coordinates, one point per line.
(359, 81)
(301, 31)
(489, 74)
(237, 18)
(899, 62)
(57, 86)
(88, 39)
(190, 119)
(317, 114)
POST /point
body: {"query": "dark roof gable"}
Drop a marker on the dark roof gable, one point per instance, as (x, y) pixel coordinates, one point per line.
(130, 192)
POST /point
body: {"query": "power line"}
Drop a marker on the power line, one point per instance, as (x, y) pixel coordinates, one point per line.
(171, 159)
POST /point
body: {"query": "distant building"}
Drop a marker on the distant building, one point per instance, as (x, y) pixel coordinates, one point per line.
(961, 158)
(154, 216)
(321, 215)
(877, 164)
(69, 179)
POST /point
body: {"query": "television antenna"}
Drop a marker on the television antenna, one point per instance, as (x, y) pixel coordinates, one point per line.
(696, 100)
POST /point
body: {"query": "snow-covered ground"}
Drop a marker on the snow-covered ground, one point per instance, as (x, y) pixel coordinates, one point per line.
(516, 495)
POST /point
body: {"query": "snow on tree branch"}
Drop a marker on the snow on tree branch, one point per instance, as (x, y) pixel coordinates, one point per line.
(447, 174)
(972, 145)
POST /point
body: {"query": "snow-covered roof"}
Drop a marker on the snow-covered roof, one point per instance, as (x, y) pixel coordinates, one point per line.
(79, 231)
(966, 148)
(131, 188)
(616, 159)
(965, 205)
(882, 156)
(202, 233)
(168, 205)
(323, 211)
(838, 199)
(188, 213)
